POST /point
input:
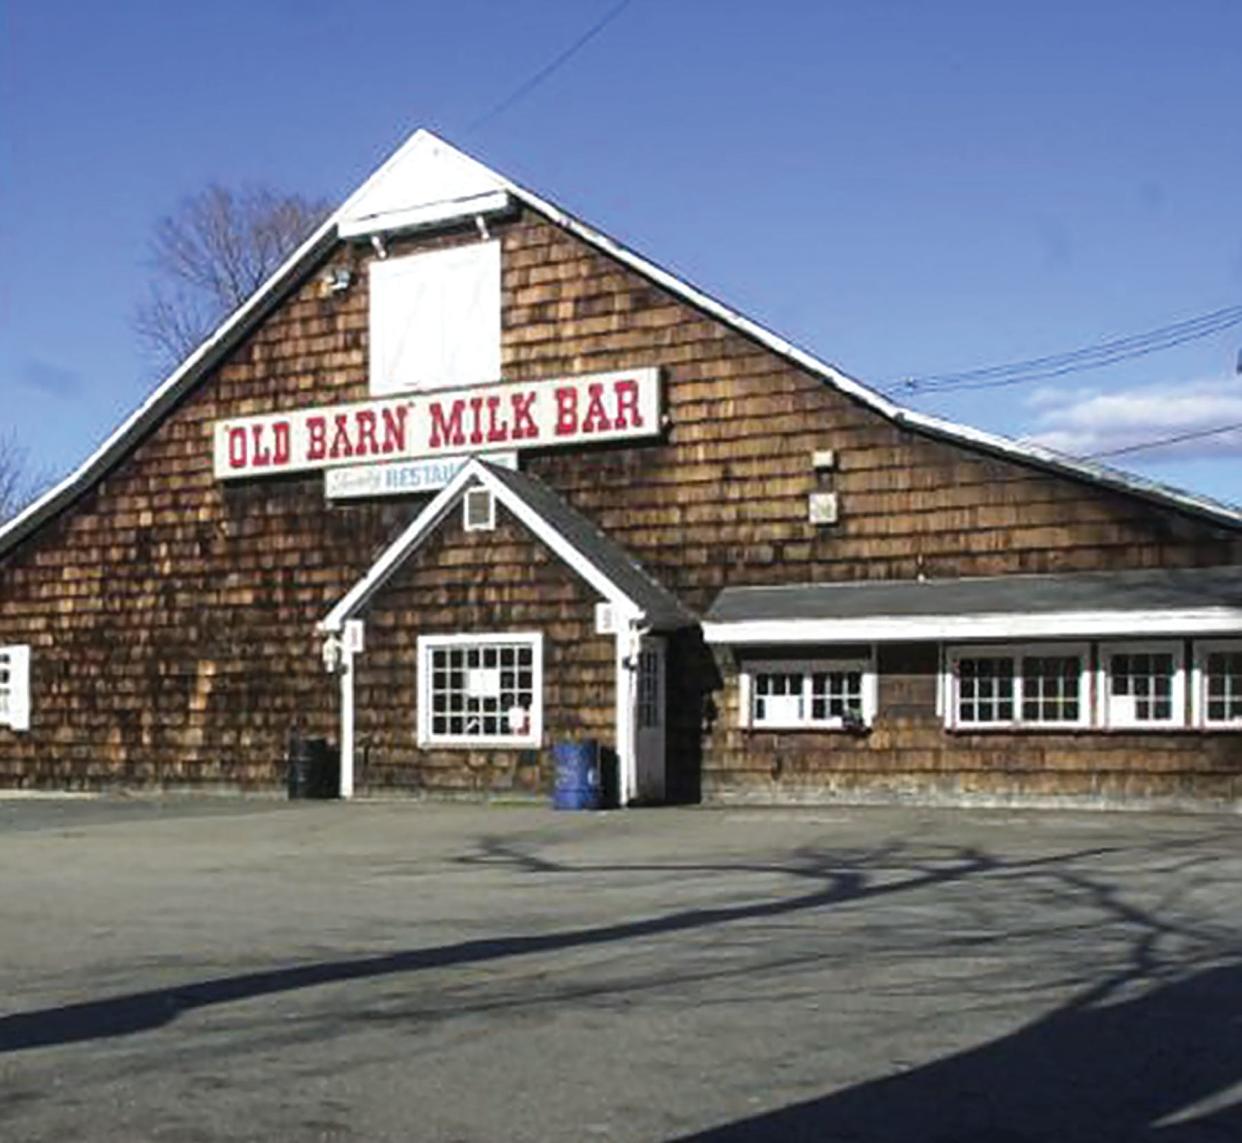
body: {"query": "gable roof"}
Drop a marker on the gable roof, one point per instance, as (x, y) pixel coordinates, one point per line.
(600, 561)
(426, 182)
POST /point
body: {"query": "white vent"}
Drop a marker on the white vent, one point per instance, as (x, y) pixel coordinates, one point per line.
(479, 510)
(605, 619)
(823, 508)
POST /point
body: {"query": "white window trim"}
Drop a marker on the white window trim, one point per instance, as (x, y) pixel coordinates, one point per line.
(15, 713)
(1108, 719)
(1199, 702)
(1016, 652)
(534, 735)
(806, 668)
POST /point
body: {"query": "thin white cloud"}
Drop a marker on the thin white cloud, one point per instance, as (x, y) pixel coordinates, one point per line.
(1082, 422)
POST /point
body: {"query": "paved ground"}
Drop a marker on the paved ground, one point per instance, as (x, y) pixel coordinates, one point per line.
(189, 971)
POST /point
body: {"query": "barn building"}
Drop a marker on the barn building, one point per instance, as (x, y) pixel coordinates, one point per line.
(466, 478)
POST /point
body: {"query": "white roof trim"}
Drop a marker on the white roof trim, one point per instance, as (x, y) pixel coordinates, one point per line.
(357, 211)
(430, 214)
(971, 628)
(473, 472)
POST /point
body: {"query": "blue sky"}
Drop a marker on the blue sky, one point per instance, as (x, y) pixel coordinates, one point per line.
(905, 188)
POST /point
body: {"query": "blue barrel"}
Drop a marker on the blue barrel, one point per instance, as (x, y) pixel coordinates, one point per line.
(577, 776)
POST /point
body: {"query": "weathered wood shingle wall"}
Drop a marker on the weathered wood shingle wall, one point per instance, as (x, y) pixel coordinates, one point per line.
(172, 618)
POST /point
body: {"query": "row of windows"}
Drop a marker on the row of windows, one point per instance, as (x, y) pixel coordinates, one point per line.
(1121, 685)
(1108, 686)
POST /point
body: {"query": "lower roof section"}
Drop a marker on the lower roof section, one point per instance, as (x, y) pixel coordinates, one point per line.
(1125, 603)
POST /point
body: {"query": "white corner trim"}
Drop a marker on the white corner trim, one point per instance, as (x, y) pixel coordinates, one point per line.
(973, 628)
(429, 214)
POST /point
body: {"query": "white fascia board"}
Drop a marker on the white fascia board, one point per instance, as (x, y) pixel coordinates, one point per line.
(395, 554)
(426, 521)
(898, 414)
(427, 215)
(628, 609)
(972, 628)
(173, 387)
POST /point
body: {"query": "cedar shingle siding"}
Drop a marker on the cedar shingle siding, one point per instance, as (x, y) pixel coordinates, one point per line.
(172, 617)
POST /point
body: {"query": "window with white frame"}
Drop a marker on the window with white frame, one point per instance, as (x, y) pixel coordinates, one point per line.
(15, 687)
(1142, 685)
(480, 690)
(826, 693)
(1018, 686)
(1218, 683)
(435, 319)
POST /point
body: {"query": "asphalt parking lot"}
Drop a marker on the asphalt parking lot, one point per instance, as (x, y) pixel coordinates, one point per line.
(248, 970)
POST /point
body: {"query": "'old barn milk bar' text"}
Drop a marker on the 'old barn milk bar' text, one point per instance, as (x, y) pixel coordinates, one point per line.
(539, 414)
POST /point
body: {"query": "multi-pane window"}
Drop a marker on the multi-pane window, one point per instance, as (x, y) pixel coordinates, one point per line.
(812, 693)
(1005, 686)
(480, 690)
(984, 689)
(1142, 684)
(1220, 683)
(15, 687)
(649, 713)
(1051, 688)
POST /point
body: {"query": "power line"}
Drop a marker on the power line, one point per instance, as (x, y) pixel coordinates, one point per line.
(1094, 356)
(1144, 445)
(524, 89)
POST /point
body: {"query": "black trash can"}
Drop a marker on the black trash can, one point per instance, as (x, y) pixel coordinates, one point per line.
(314, 769)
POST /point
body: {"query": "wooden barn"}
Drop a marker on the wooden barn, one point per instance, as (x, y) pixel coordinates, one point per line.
(466, 478)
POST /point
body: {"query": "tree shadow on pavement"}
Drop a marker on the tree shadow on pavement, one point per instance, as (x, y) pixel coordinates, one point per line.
(1092, 1071)
(836, 879)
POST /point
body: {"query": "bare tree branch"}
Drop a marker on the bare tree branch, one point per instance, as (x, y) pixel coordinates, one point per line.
(18, 483)
(210, 255)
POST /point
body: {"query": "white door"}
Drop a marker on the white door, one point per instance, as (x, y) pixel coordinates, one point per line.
(649, 745)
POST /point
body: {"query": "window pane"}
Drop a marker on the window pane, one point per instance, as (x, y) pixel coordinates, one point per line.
(1145, 678)
(1050, 687)
(985, 690)
(477, 692)
(1224, 686)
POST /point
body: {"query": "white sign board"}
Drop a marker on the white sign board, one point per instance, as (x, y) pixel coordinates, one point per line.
(402, 477)
(511, 415)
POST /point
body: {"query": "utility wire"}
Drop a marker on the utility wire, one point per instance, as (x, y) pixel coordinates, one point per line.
(1093, 356)
(557, 62)
(1144, 445)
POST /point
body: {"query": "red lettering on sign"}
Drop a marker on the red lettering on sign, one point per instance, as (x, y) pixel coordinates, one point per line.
(237, 448)
(447, 431)
(566, 411)
(394, 428)
(282, 450)
(262, 455)
(476, 420)
(596, 420)
(496, 432)
(341, 445)
(316, 438)
(627, 402)
(367, 444)
(524, 427)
